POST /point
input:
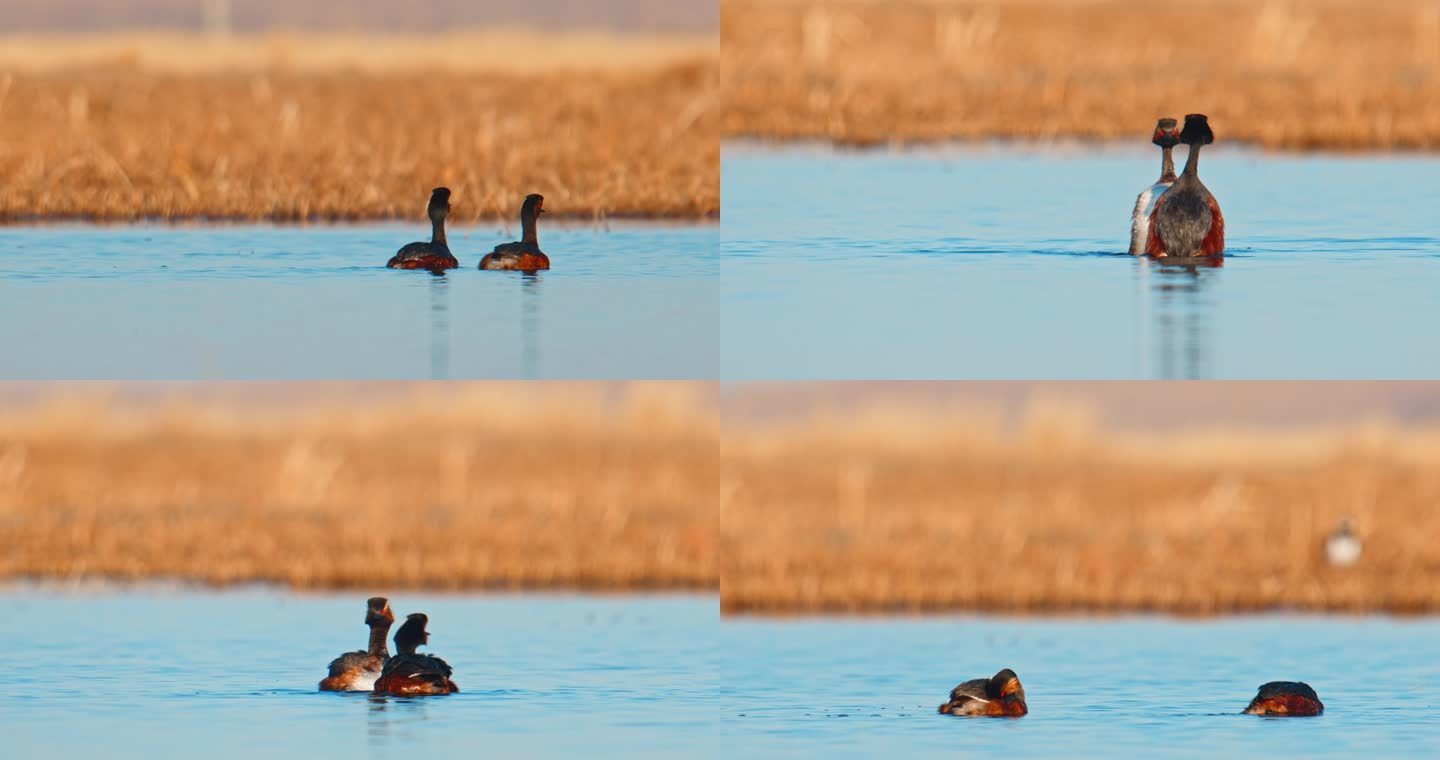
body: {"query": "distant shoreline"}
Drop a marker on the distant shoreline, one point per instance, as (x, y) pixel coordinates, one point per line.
(487, 50)
(286, 144)
(1344, 76)
(893, 508)
(456, 487)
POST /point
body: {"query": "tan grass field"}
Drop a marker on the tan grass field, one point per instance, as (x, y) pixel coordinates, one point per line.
(879, 505)
(918, 508)
(439, 486)
(1330, 74)
(334, 127)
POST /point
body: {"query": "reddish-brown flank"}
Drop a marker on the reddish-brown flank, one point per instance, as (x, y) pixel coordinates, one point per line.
(1214, 242)
(523, 262)
(994, 708)
(403, 686)
(428, 262)
(1153, 246)
(1286, 704)
(342, 682)
(532, 262)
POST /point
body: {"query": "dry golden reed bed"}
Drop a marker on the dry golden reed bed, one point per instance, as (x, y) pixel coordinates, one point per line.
(905, 509)
(349, 129)
(445, 486)
(1331, 74)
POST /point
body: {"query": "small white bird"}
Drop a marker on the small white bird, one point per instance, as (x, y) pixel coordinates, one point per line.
(1342, 548)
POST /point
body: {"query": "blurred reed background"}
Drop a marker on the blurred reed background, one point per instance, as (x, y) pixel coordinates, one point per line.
(1329, 74)
(1053, 497)
(329, 121)
(435, 486)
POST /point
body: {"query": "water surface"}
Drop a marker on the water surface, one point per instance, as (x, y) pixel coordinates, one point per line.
(152, 674)
(1115, 687)
(149, 302)
(1011, 263)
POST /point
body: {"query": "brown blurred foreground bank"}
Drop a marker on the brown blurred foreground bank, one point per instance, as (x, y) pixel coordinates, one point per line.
(1331, 74)
(329, 128)
(440, 487)
(914, 510)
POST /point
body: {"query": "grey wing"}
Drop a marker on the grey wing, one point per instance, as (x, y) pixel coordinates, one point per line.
(973, 689)
(422, 666)
(440, 666)
(511, 248)
(347, 661)
(413, 249)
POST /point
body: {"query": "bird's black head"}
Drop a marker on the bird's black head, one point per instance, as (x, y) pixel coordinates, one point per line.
(412, 633)
(377, 610)
(439, 203)
(1005, 684)
(533, 206)
(1167, 133)
(1197, 130)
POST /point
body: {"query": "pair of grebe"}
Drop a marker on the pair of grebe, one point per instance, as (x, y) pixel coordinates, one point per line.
(407, 674)
(1002, 696)
(1177, 217)
(523, 255)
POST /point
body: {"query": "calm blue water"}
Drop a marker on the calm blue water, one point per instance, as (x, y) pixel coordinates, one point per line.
(1009, 263)
(274, 303)
(146, 672)
(1112, 687)
(152, 674)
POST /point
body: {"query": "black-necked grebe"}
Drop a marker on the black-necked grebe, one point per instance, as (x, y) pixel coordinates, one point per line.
(523, 255)
(1167, 136)
(410, 674)
(1000, 695)
(1285, 698)
(434, 255)
(1186, 222)
(357, 671)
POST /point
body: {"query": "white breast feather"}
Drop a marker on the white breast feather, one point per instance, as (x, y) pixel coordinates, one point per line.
(1140, 217)
(365, 680)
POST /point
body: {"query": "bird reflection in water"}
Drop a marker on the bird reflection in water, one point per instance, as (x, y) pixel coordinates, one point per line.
(1183, 314)
(439, 327)
(530, 300)
(386, 714)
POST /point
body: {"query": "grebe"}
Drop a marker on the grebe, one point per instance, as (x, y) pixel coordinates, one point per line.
(1288, 698)
(1167, 136)
(434, 255)
(357, 671)
(1342, 548)
(1186, 222)
(524, 255)
(408, 674)
(999, 695)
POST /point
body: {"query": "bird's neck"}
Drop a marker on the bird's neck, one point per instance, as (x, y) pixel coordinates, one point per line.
(1192, 162)
(1167, 164)
(437, 231)
(527, 228)
(377, 639)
